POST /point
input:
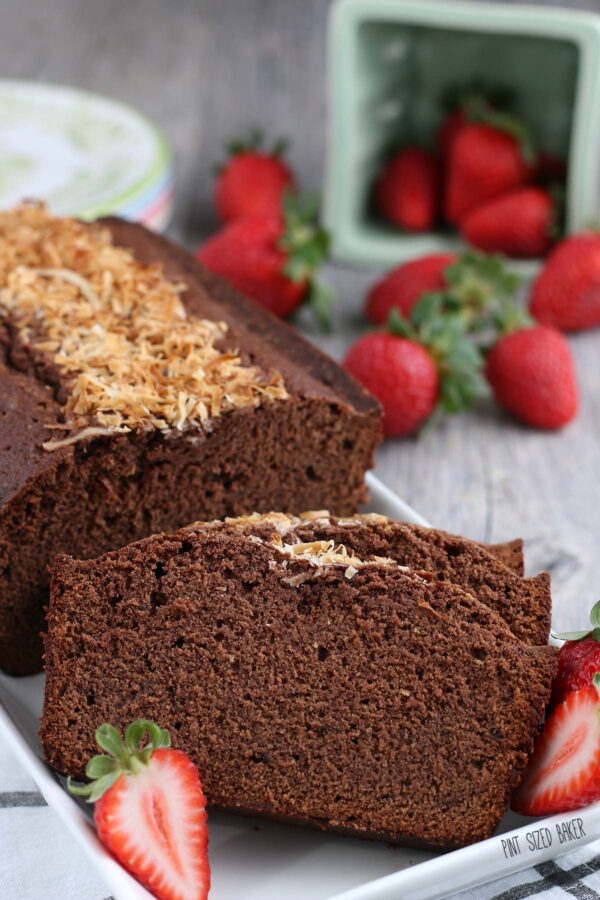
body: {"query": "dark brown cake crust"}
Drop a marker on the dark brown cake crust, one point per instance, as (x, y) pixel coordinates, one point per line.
(381, 705)
(310, 449)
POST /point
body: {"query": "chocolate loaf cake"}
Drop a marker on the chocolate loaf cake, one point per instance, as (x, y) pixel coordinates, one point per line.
(139, 393)
(308, 684)
(524, 603)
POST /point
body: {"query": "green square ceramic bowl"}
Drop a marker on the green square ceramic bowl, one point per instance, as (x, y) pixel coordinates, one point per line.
(391, 62)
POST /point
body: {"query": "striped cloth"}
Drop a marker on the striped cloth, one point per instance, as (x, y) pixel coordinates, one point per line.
(40, 861)
(38, 858)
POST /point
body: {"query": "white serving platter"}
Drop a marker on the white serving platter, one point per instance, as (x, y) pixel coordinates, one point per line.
(258, 860)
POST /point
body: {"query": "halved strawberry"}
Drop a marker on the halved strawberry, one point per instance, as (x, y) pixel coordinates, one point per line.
(150, 810)
(564, 771)
(578, 658)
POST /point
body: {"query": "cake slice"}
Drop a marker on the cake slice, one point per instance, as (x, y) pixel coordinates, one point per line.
(524, 603)
(308, 684)
(510, 553)
(137, 394)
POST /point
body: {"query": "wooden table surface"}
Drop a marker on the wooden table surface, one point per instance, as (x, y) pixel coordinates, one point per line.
(207, 69)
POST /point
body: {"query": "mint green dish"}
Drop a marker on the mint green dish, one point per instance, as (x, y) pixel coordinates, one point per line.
(391, 63)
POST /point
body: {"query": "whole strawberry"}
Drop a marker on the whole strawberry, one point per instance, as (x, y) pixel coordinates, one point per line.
(408, 188)
(532, 375)
(253, 181)
(448, 131)
(578, 659)
(402, 287)
(401, 374)
(566, 293)
(150, 810)
(273, 259)
(484, 163)
(423, 361)
(518, 223)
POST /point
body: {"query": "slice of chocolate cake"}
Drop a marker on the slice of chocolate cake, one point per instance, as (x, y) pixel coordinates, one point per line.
(308, 685)
(524, 603)
(139, 393)
(509, 553)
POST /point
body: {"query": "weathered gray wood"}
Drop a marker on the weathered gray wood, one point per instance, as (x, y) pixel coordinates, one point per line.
(205, 70)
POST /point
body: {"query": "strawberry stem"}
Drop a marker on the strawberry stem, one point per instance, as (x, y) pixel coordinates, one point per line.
(127, 756)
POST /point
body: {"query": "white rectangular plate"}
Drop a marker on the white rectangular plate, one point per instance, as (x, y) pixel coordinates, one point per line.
(258, 860)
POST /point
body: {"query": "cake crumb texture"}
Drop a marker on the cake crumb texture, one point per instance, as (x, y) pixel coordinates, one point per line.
(383, 706)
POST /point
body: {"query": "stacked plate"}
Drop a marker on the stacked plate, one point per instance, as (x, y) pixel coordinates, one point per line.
(83, 154)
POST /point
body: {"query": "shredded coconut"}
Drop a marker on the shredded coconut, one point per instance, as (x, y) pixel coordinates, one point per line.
(117, 331)
(323, 554)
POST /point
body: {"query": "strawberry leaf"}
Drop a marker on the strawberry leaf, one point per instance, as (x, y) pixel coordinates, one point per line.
(122, 758)
(252, 142)
(400, 326)
(579, 635)
(109, 739)
(305, 243)
(95, 789)
(428, 307)
(439, 325)
(99, 766)
(280, 147)
(320, 300)
(569, 635)
(595, 615)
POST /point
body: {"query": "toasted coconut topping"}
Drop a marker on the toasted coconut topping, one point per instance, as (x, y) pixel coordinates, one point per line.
(283, 523)
(325, 554)
(117, 332)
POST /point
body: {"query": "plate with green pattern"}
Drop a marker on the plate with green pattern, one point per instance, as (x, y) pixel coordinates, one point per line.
(83, 154)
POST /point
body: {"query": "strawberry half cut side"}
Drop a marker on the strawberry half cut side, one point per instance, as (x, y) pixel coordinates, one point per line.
(564, 771)
(150, 810)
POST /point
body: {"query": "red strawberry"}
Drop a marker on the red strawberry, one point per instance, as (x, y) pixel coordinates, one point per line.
(401, 374)
(407, 190)
(532, 375)
(150, 810)
(578, 662)
(485, 162)
(252, 182)
(518, 223)
(566, 293)
(578, 658)
(401, 288)
(564, 771)
(273, 260)
(448, 131)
